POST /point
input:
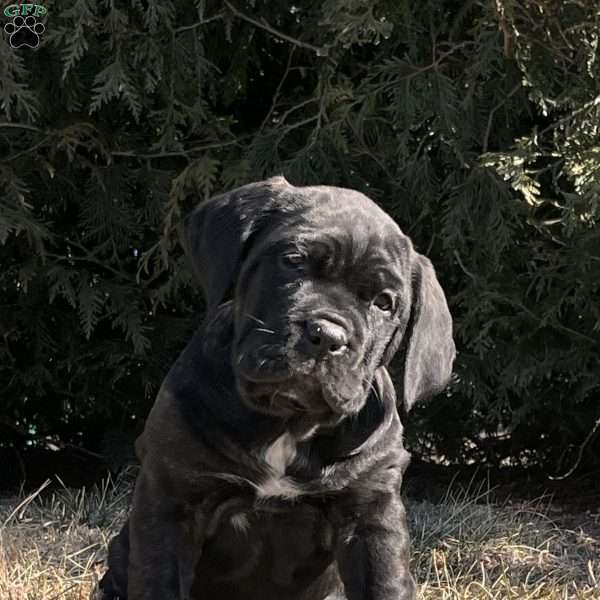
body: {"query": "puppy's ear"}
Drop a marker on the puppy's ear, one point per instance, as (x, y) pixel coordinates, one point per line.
(429, 349)
(214, 238)
(217, 235)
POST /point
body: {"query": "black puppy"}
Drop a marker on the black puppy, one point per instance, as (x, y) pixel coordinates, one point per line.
(272, 458)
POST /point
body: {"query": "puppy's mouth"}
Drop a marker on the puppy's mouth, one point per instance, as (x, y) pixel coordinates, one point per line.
(277, 381)
(295, 396)
(281, 396)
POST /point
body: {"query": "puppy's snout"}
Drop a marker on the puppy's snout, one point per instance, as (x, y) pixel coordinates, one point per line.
(325, 337)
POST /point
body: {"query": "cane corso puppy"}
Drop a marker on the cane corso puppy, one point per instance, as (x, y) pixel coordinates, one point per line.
(272, 459)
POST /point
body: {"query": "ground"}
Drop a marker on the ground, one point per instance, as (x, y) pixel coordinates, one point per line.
(469, 542)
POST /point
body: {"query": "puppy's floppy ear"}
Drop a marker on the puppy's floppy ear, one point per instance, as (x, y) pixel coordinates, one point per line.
(429, 349)
(217, 235)
(213, 241)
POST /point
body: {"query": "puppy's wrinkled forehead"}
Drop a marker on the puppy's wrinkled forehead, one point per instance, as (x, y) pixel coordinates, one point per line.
(344, 232)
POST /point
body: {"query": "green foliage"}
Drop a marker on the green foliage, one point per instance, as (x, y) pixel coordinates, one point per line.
(475, 124)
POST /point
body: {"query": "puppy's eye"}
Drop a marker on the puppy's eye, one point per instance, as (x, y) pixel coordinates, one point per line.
(291, 259)
(384, 301)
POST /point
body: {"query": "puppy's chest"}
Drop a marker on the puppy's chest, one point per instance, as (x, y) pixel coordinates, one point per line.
(280, 464)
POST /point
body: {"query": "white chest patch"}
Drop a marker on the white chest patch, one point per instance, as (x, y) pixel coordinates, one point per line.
(240, 522)
(278, 456)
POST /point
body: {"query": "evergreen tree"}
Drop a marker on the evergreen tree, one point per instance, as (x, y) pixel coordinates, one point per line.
(474, 123)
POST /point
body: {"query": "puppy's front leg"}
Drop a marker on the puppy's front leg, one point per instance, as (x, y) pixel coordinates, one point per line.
(374, 562)
(161, 546)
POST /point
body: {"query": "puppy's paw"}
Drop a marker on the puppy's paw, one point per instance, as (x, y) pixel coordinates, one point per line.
(107, 589)
(98, 594)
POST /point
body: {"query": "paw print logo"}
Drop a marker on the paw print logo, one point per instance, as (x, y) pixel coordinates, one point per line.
(24, 32)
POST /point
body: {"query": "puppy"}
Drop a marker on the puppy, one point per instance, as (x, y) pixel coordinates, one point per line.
(272, 460)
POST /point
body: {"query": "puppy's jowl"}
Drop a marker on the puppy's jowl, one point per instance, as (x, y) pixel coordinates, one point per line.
(272, 459)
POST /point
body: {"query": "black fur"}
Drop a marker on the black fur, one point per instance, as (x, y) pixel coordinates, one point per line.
(272, 458)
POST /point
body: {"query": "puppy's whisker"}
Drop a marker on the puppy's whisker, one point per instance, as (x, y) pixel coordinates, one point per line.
(264, 330)
(262, 347)
(231, 478)
(298, 407)
(272, 398)
(240, 358)
(374, 389)
(259, 321)
(273, 395)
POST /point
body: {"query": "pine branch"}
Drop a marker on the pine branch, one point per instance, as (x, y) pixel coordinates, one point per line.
(559, 326)
(319, 51)
(498, 106)
(33, 148)
(462, 266)
(113, 82)
(89, 257)
(277, 91)
(90, 305)
(296, 107)
(22, 126)
(434, 65)
(27, 150)
(582, 447)
(216, 17)
(186, 153)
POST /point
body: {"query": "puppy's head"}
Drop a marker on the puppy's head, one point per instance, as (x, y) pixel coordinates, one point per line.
(325, 289)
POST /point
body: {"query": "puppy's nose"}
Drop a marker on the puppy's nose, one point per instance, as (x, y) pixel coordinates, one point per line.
(324, 337)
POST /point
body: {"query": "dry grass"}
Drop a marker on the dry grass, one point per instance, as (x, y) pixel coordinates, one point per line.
(467, 548)
(464, 549)
(54, 549)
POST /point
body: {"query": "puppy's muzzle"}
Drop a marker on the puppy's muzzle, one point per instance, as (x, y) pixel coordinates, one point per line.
(323, 337)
